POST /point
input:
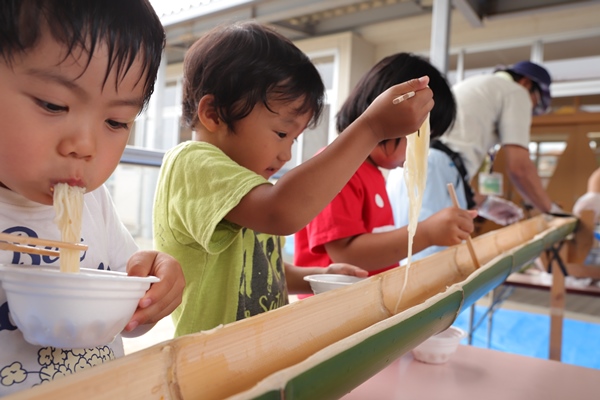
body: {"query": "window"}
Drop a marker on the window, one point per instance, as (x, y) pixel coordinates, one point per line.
(132, 190)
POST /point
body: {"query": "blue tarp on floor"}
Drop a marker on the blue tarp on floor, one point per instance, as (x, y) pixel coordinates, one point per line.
(528, 334)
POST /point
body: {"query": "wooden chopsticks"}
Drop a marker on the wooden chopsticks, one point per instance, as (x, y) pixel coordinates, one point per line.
(403, 97)
(469, 241)
(25, 244)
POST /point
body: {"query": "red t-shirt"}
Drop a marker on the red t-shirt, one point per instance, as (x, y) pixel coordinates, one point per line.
(361, 207)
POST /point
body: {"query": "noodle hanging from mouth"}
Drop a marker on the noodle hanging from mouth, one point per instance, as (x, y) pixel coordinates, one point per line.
(415, 177)
(68, 204)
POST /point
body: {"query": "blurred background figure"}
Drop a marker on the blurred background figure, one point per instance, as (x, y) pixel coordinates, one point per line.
(591, 201)
(496, 109)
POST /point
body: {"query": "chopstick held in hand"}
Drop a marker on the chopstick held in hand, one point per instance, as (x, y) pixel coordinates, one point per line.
(25, 244)
(469, 242)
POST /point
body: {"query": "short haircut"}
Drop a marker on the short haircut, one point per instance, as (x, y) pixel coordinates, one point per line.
(126, 27)
(245, 63)
(517, 77)
(390, 71)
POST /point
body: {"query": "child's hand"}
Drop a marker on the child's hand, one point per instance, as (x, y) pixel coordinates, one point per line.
(387, 120)
(162, 297)
(449, 226)
(345, 269)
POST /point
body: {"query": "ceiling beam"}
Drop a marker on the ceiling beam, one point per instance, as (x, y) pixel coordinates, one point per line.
(501, 7)
(286, 9)
(471, 10)
(575, 88)
(202, 10)
(350, 21)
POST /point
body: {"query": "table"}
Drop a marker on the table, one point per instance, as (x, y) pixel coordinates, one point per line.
(475, 373)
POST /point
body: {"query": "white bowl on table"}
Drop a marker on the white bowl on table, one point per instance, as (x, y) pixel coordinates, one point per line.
(440, 347)
(71, 310)
(323, 282)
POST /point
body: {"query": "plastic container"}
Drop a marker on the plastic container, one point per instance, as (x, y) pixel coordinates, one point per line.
(71, 310)
(324, 282)
(439, 348)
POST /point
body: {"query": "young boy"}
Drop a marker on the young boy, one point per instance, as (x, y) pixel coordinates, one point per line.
(358, 225)
(73, 77)
(248, 94)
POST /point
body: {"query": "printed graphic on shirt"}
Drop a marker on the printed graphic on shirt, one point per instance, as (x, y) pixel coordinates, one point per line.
(24, 370)
(379, 200)
(54, 363)
(262, 283)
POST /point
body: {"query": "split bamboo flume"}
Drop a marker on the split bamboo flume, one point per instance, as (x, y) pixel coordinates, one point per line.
(324, 346)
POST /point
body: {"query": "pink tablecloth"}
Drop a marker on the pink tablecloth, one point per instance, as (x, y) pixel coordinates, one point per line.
(475, 374)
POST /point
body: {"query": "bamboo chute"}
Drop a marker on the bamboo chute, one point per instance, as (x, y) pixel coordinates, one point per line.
(323, 346)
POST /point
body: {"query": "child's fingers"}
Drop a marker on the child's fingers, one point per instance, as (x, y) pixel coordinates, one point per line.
(359, 272)
(461, 221)
(140, 263)
(403, 97)
(154, 313)
(386, 120)
(162, 297)
(413, 85)
(406, 90)
(168, 290)
(347, 269)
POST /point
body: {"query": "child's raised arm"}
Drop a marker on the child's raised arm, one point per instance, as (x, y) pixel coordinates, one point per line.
(303, 192)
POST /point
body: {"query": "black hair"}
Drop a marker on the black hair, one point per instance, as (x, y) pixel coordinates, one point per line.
(517, 77)
(245, 63)
(391, 71)
(126, 27)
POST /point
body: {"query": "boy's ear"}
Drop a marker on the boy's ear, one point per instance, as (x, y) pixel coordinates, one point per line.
(207, 114)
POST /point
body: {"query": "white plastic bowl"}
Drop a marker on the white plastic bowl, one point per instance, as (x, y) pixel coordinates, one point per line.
(71, 310)
(323, 282)
(439, 348)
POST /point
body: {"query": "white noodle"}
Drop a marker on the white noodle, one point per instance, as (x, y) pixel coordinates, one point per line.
(415, 177)
(68, 204)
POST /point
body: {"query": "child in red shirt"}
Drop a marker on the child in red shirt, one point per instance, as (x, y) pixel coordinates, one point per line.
(357, 227)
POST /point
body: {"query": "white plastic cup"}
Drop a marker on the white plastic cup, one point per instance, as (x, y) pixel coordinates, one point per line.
(323, 282)
(439, 348)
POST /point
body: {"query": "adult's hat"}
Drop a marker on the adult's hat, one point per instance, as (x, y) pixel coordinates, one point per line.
(540, 76)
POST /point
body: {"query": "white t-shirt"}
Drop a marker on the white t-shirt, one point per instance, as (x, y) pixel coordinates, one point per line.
(23, 365)
(491, 109)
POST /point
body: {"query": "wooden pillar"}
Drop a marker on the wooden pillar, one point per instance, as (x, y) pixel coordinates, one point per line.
(575, 165)
(557, 308)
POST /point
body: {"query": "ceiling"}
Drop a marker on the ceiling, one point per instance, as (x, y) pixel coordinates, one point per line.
(300, 19)
(489, 32)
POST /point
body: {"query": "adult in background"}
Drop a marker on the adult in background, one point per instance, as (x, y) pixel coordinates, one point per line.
(492, 110)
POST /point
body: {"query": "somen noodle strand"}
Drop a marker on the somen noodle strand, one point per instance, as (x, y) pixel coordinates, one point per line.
(68, 204)
(415, 177)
